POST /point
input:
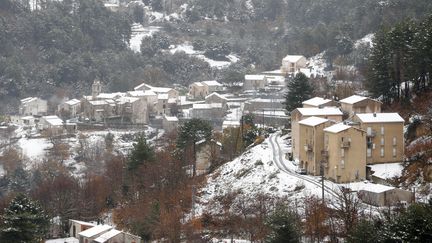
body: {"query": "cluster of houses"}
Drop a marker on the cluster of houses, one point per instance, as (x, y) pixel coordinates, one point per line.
(85, 232)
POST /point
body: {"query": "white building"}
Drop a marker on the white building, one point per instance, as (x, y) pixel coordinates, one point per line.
(71, 107)
(293, 63)
(33, 106)
(254, 82)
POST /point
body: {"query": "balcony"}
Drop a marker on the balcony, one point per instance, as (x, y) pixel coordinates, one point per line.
(308, 147)
(324, 164)
(371, 134)
(346, 144)
(325, 154)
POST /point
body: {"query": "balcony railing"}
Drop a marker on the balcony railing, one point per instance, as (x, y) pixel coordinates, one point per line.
(325, 154)
(308, 147)
(346, 144)
(371, 134)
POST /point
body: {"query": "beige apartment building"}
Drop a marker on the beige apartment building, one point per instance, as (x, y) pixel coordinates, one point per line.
(293, 63)
(360, 104)
(312, 142)
(385, 139)
(344, 152)
(330, 113)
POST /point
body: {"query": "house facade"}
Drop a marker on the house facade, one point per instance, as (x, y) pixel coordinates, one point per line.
(312, 143)
(330, 113)
(70, 108)
(359, 104)
(33, 106)
(385, 136)
(254, 82)
(293, 63)
(170, 123)
(216, 98)
(344, 152)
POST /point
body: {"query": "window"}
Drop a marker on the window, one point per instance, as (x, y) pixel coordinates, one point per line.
(369, 131)
(382, 152)
(382, 140)
(394, 152)
(394, 141)
(342, 164)
(382, 130)
(369, 152)
(342, 152)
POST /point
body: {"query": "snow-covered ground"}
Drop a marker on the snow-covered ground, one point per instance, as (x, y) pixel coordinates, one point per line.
(388, 170)
(188, 49)
(36, 150)
(367, 39)
(138, 33)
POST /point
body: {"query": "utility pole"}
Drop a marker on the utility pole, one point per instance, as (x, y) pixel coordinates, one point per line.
(322, 182)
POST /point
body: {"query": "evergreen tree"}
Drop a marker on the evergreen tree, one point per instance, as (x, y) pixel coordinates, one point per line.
(24, 221)
(364, 229)
(140, 154)
(299, 90)
(192, 132)
(284, 226)
(379, 81)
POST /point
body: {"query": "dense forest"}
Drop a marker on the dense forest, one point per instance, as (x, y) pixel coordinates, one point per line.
(59, 48)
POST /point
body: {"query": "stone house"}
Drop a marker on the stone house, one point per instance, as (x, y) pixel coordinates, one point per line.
(260, 104)
(330, 113)
(344, 152)
(206, 153)
(381, 195)
(254, 82)
(53, 124)
(216, 98)
(293, 63)
(212, 111)
(70, 108)
(170, 123)
(32, 106)
(199, 90)
(385, 136)
(359, 104)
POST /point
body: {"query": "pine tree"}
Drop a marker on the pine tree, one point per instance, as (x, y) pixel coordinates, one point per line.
(140, 154)
(24, 221)
(192, 132)
(379, 81)
(299, 90)
(284, 226)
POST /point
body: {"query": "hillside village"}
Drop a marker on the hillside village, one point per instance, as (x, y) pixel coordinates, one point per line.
(344, 141)
(215, 121)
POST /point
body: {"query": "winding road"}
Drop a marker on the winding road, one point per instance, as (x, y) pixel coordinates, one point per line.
(278, 155)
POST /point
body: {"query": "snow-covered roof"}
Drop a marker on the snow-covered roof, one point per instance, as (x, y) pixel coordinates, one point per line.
(161, 89)
(379, 117)
(127, 99)
(316, 101)
(292, 58)
(28, 99)
(337, 128)
(312, 121)
(98, 102)
(143, 85)
(73, 102)
(141, 93)
(207, 106)
(82, 222)
(106, 236)
(370, 187)
(162, 96)
(256, 100)
(216, 94)
(53, 120)
(63, 240)
(254, 77)
(98, 229)
(211, 83)
(325, 111)
(226, 124)
(353, 99)
(171, 118)
(198, 84)
(110, 95)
